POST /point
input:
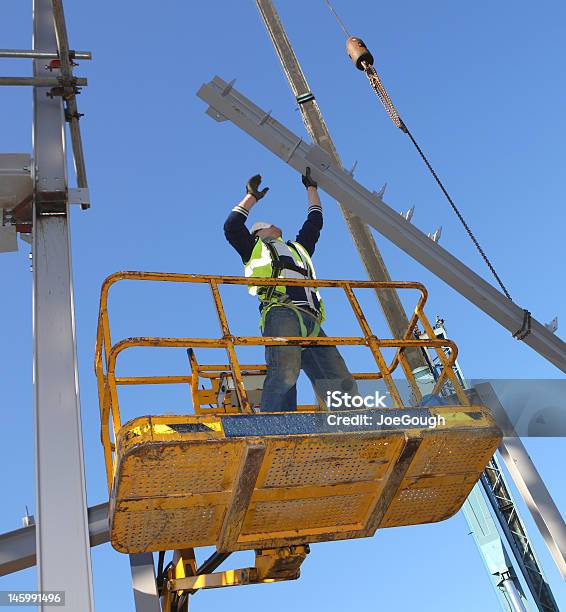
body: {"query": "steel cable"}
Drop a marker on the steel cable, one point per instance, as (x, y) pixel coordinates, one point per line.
(384, 98)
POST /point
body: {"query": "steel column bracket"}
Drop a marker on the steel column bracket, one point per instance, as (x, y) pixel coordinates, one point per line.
(79, 195)
(51, 202)
(374, 211)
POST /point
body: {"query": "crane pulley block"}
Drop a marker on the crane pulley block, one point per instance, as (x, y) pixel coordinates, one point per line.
(359, 53)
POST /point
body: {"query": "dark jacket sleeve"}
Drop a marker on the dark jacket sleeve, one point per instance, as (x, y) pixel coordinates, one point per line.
(308, 234)
(238, 234)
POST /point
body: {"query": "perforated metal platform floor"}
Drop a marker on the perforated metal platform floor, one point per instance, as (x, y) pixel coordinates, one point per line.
(254, 481)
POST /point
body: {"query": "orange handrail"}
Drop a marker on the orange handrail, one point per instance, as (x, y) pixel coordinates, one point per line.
(107, 353)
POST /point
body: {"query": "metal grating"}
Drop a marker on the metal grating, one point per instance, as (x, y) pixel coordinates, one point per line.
(426, 495)
(159, 529)
(453, 453)
(301, 514)
(176, 488)
(326, 461)
(425, 505)
(178, 469)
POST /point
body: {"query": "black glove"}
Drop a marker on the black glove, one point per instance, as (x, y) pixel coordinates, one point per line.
(252, 187)
(308, 181)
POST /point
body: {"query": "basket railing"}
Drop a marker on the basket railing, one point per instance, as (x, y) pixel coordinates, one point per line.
(106, 353)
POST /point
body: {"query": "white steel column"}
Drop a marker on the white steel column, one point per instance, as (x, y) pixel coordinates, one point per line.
(531, 485)
(62, 537)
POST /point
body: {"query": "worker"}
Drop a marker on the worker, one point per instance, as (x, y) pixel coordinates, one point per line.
(287, 311)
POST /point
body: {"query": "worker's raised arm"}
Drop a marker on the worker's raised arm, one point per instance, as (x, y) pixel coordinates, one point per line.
(235, 228)
(308, 234)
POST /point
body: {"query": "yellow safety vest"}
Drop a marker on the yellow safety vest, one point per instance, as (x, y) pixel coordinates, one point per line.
(261, 265)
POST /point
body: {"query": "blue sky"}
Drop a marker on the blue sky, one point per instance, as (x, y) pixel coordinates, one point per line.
(481, 86)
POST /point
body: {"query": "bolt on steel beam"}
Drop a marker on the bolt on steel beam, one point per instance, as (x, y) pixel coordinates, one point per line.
(72, 114)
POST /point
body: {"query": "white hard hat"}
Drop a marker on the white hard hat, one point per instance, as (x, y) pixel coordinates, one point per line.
(259, 225)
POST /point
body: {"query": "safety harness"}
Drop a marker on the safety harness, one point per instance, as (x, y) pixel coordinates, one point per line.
(272, 296)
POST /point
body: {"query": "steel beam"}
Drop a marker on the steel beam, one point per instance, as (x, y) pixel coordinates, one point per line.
(546, 515)
(225, 103)
(17, 548)
(316, 126)
(63, 548)
(40, 81)
(529, 483)
(146, 598)
(43, 55)
(503, 506)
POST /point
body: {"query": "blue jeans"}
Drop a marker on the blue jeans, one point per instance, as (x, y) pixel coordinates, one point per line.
(324, 365)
